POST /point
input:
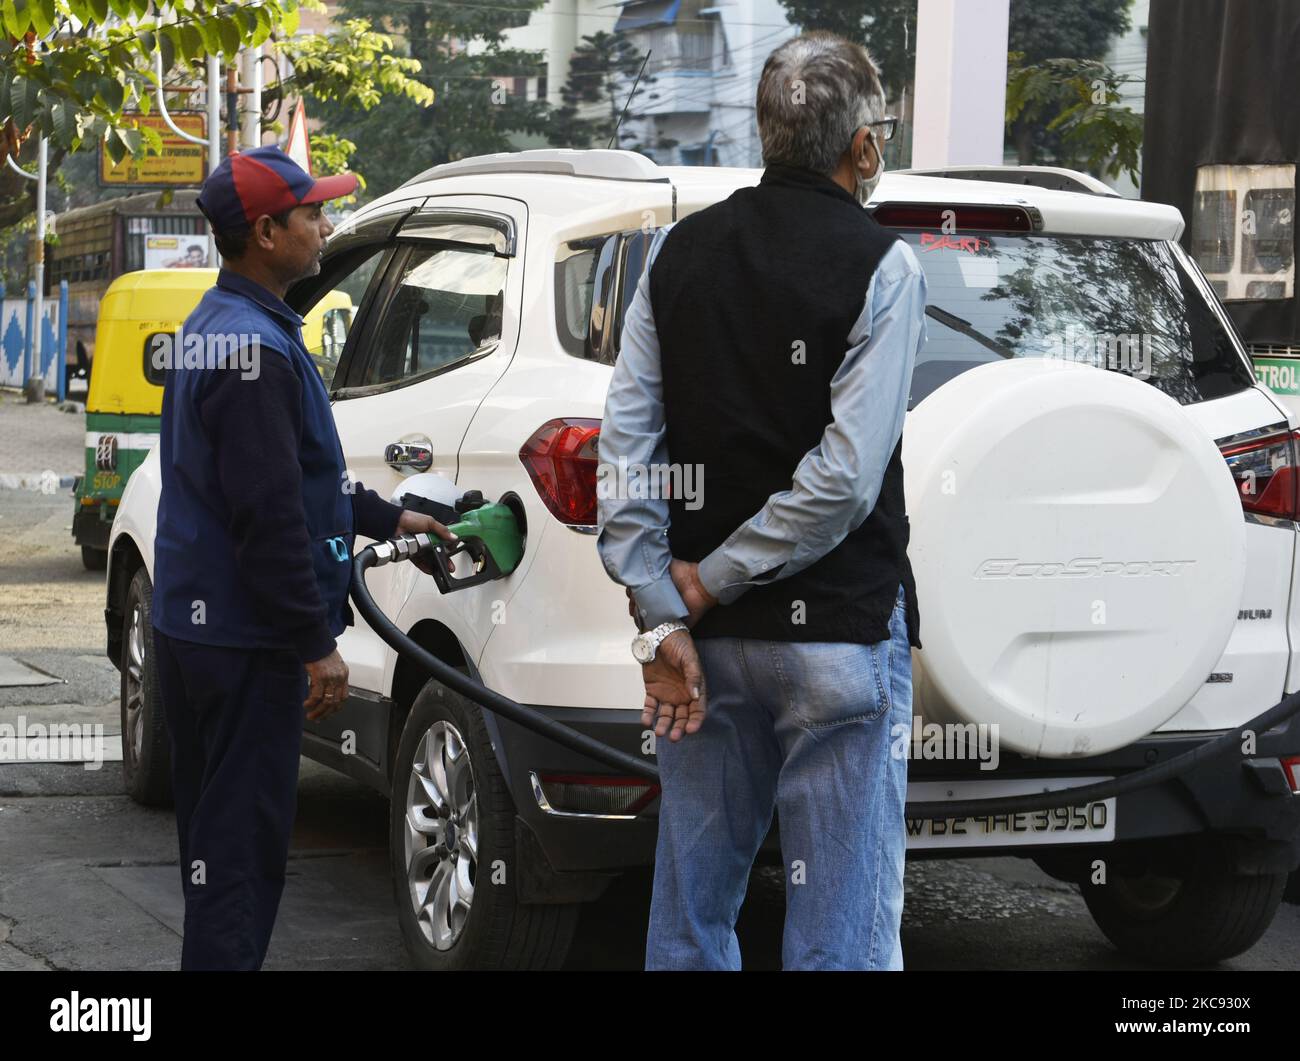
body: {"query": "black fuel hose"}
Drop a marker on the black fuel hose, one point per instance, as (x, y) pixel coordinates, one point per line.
(530, 718)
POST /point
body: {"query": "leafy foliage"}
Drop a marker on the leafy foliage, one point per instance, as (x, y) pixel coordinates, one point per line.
(81, 71)
(75, 69)
(1052, 114)
(352, 66)
(330, 154)
(463, 57)
(601, 71)
(886, 27)
(1080, 99)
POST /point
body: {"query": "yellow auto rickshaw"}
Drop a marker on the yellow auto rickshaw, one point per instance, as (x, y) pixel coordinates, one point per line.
(125, 397)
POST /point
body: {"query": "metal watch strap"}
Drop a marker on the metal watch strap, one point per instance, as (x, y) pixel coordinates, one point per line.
(660, 633)
(657, 635)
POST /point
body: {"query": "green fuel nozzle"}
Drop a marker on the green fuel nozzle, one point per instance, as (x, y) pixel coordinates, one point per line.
(490, 538)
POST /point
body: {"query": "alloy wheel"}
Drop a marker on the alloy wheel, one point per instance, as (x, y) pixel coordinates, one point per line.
(441, 835)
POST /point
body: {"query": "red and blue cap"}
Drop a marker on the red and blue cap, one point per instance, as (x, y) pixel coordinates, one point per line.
(263, 180)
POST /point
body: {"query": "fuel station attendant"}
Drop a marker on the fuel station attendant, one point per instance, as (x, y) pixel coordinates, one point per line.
(253, 554)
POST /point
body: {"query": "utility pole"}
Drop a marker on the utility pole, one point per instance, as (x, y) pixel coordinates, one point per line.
(38, 304)
(214, 122)
(33, 357)
(250, 75)
(214, 135)
(961, 83)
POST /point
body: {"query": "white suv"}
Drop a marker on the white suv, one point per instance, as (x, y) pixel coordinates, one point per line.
(1104, 559)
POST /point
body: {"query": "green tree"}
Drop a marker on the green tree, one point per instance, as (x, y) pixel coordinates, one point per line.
(1037, 31)
(1064, 30)
(602, 71)
(1080, 100)
(81, 71)
(886, 27)
(464, 59)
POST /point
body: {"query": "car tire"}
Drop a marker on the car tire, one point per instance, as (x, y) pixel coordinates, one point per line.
(1200, 913)
(1292, 893)
(93, 559)
(493, 929)
(146, 751)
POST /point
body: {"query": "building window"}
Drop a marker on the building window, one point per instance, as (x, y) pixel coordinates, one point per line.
(1243, 230)
(696, 50)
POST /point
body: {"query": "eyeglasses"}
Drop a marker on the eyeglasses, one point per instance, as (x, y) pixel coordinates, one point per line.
(887, 127)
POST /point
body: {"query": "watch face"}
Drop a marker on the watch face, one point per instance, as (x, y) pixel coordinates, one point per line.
(641, 648)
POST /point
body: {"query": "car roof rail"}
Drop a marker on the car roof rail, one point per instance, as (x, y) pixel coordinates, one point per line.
(596, 163)
(1053, 178)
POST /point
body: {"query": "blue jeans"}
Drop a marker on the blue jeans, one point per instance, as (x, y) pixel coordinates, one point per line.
(805, 728)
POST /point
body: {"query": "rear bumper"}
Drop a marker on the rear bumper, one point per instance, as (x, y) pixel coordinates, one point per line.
(1247, 799)
(574, 843)
(90, 526)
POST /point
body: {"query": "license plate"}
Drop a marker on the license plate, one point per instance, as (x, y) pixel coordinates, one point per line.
(1088, 823)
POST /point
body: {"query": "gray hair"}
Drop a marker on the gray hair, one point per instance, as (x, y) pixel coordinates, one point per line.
(815, 92)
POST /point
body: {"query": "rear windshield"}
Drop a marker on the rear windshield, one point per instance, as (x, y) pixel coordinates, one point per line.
(1121, 304)
(1126, 305)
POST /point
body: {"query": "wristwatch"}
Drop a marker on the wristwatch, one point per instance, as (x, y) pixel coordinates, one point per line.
(644, 646)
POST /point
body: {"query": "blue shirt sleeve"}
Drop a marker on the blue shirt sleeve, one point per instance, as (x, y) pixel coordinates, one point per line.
(633, 539)
(836, 484)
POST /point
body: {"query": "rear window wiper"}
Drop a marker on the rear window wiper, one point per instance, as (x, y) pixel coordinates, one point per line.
(966, 329)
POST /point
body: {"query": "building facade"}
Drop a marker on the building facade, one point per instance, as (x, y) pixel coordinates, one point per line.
(695, 103)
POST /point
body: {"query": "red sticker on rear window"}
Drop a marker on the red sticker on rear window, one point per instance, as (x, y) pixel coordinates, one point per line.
(937, 241)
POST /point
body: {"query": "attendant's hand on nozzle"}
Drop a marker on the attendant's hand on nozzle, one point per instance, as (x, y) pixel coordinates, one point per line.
(676, 699)
(418, 523)
(329, 686)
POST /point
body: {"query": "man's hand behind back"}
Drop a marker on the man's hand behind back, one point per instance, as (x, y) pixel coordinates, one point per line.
(686, 577)
(329, 686)
(675, 695)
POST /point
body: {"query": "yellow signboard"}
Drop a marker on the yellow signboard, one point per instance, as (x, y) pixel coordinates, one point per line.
(181, 162)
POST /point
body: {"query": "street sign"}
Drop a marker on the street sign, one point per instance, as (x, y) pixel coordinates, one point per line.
(298, 147)
(181, 162)
(1281, 375)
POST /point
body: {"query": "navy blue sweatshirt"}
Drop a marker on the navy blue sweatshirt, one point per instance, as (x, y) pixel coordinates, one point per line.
(257, 518)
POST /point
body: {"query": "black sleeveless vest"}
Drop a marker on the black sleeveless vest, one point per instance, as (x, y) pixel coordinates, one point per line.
(754, 299)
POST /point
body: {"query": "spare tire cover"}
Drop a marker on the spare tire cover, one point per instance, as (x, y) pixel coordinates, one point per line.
(1079, 551)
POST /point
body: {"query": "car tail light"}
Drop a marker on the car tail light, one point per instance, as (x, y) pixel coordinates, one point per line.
(964, 218)
(1265, 471)
(1291, 765)
(561, 461)
(593, 794)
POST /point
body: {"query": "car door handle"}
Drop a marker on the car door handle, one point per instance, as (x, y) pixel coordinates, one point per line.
(413, 456)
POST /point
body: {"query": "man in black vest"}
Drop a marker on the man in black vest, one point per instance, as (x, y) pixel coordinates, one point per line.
(765, 363)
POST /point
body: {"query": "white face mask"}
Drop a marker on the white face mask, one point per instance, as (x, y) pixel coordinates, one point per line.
(867, 187)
